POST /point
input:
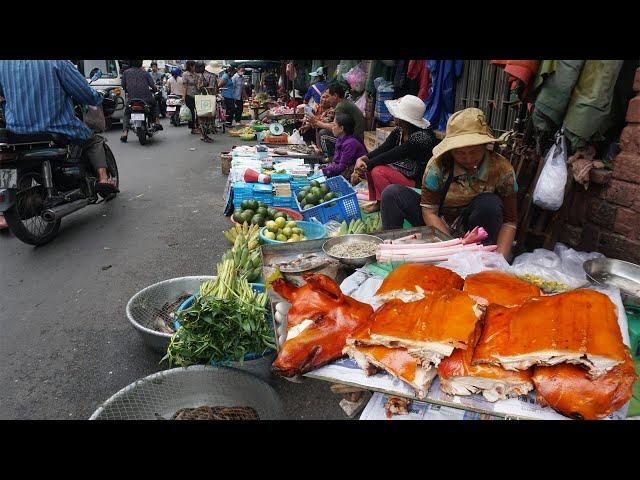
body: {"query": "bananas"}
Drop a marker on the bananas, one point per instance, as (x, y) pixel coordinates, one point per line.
(241, 234)
(245, 253)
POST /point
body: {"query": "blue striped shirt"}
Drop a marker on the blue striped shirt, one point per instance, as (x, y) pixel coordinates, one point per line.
(39, 97)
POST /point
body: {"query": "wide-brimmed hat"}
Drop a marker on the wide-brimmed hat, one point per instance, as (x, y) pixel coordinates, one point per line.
(318, 72)
(465, 128)
(408, 108)
(214, 67)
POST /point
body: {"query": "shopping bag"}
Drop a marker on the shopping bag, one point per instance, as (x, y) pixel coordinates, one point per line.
(94, 119)
(185, 114)
(296, 138)
(549, 191)
(205, 105)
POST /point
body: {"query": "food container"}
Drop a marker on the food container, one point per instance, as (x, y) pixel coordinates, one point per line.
(312, 230)
(292, 214)
(616, 273)
(348, 239)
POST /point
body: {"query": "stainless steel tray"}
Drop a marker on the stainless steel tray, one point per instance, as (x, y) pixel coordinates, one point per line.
(616, 273)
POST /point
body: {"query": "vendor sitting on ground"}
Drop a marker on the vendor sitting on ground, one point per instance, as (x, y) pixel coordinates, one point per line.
(324, 113)
(479, 191)
(401, 159)
(348, 148)
(336, 100)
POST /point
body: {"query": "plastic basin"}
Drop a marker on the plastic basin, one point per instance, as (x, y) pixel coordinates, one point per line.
(312, 230)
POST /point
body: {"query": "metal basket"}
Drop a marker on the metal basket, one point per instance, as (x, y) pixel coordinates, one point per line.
(145, 305)
(161, 395)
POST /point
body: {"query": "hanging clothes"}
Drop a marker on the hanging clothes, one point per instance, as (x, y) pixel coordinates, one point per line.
(590, 103)
(418, 70)
(378, 69)
(291, 71)
(555, 94)
(521, 73)
(441, 99)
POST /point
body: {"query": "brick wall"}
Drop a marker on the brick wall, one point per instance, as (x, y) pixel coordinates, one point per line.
(606, 217)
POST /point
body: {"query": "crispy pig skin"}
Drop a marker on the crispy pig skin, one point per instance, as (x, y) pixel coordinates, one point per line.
(430, 328)
(396, 361)
(334, 315)
(569, 390)
(576, 327)
(500, 288)
(407, 280)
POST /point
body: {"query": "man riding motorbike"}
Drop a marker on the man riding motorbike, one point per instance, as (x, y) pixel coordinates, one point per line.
(39, 98)
(137, 83)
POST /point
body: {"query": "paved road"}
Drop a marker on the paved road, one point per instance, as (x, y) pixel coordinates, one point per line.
(66, 345)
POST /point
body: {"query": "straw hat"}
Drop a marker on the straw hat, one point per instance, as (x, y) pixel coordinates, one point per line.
(408, 108)
(465, 128)
(214, 67)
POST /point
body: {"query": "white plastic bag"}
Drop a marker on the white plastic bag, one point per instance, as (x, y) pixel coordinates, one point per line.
(468, 263)
(295, 138)
(185, 114)
(549, 191)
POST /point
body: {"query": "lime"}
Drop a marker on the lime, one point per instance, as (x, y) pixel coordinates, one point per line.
(316, 191)
(287, 232)
(295, 237)
(297, 230)
(301, 195)
(238, 217)
(271, 226)
(254, 205)
(314, 183)
(329, 196)
(307, 207)
(246, 204)
(303, 202)
(280, 222)
(271, 213)
(281, 238)
(311, 199)
(262, 205)
(291, 224)
(324, 188)
(278, 215)
(258, 219)
(270, 235)
(262, 211)
(247, 215)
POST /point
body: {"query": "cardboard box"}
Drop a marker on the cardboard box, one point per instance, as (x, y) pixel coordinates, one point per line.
(370, 142)
(382, 133)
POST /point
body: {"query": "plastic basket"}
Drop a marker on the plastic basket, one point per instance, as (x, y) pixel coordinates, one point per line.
(312, 230)
(346, 208)
(257, 287)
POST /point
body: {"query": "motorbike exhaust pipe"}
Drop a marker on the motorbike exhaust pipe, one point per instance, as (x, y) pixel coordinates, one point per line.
(56, 213)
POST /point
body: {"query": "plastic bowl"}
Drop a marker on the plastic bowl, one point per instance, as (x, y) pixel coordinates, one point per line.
(258, 364)
(312, 230)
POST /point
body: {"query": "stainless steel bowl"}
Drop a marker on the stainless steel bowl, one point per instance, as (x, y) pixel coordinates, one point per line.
(347, 239)
(160, 395)
(616, 273)
(143, 306)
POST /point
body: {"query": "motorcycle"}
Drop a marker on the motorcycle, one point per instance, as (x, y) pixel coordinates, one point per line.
(111, 103)
(161, 99)
(44, 178)
(141, 121)
(174, 102)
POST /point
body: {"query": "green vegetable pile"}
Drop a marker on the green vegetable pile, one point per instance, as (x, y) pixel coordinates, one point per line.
(255, 213)
(370, 225)
(314, 194)
(226, 321)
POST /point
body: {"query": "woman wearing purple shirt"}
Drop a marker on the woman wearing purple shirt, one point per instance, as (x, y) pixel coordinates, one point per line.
(348, 148)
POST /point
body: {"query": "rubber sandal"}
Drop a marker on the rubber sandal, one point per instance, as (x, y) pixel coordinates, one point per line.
(105, 189)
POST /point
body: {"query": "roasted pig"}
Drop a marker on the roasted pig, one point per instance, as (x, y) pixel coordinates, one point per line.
(430, 328)
(569, 390)
(408, 282)
(322, 320)
(498, 287)
(577, 327)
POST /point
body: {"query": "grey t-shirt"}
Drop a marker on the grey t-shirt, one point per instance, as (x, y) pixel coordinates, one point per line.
(348, 107)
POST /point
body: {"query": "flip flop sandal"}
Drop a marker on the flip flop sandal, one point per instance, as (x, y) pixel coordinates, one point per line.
(106, 189)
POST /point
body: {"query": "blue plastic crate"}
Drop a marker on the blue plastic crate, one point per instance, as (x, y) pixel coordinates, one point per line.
(286, 202)
(346, 207)
(280, 178)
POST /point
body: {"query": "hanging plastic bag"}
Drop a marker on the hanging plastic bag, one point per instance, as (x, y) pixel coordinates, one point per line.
(361, 103)
(185, 114)
(549, 191)
(295, 138)
(356, 78)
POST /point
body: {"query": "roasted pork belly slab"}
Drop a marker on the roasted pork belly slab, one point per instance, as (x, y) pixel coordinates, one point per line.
(501, 288)
(430, 328)
(322, 324)
(409, 282)
(459, 377)
(569, 390)
(396, 361)
(576, 327)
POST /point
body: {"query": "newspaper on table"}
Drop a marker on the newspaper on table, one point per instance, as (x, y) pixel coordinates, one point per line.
(362, 286)
(375, 410)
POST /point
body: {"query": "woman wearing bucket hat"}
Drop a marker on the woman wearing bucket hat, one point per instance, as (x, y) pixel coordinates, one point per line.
(402, 157)
(465, 185)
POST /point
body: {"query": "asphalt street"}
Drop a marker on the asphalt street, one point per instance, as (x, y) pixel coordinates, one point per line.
(66, 345)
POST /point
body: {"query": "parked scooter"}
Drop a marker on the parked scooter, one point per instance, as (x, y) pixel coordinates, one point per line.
(174, 102)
